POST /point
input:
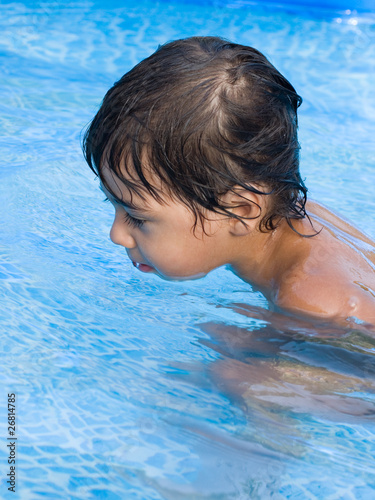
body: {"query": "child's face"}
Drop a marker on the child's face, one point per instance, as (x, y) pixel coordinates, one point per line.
(159, 237)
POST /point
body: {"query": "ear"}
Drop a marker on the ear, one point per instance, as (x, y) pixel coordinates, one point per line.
(248, 206)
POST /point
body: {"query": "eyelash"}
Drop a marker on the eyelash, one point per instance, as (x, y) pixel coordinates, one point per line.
(132, 221)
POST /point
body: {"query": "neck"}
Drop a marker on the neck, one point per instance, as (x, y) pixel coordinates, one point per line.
(262, 258)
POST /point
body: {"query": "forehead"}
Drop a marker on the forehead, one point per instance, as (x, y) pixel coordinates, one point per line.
(136, 199)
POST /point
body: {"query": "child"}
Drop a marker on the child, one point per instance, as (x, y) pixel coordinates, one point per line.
(197, 149)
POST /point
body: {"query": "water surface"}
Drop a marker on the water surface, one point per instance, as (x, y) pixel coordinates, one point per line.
(131, 387)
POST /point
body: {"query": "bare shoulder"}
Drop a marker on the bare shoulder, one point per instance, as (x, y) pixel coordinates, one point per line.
(334, 276)
(329, 275)
(333, 298)
(313, 296)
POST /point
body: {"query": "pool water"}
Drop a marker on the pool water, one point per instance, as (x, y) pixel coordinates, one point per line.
(129, 387)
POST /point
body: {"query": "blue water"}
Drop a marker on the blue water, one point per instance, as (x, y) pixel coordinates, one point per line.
(129, 387)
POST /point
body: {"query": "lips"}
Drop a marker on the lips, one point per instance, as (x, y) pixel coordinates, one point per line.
(142, 267)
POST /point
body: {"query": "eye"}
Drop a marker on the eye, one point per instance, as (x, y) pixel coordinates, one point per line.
(132, 221)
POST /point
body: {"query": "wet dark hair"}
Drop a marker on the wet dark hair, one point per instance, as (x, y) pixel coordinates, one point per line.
(207, 115)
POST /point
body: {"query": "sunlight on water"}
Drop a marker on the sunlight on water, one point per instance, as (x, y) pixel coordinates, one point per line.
(131, 387)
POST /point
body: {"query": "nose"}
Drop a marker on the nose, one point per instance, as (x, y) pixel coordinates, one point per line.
(120, 233)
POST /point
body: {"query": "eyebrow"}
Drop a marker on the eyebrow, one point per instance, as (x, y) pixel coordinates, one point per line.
(123, 203)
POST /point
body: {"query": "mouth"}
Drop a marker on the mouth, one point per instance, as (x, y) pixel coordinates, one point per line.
(143, 267)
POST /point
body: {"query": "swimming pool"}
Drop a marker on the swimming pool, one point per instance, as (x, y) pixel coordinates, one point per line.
(127, 386)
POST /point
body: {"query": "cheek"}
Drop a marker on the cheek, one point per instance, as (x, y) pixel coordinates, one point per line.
(175, 256)
(190, 259)
(174, 250)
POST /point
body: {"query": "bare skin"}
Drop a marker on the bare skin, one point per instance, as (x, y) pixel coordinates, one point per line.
(330, 275)
(324, 282)
(336, 272)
